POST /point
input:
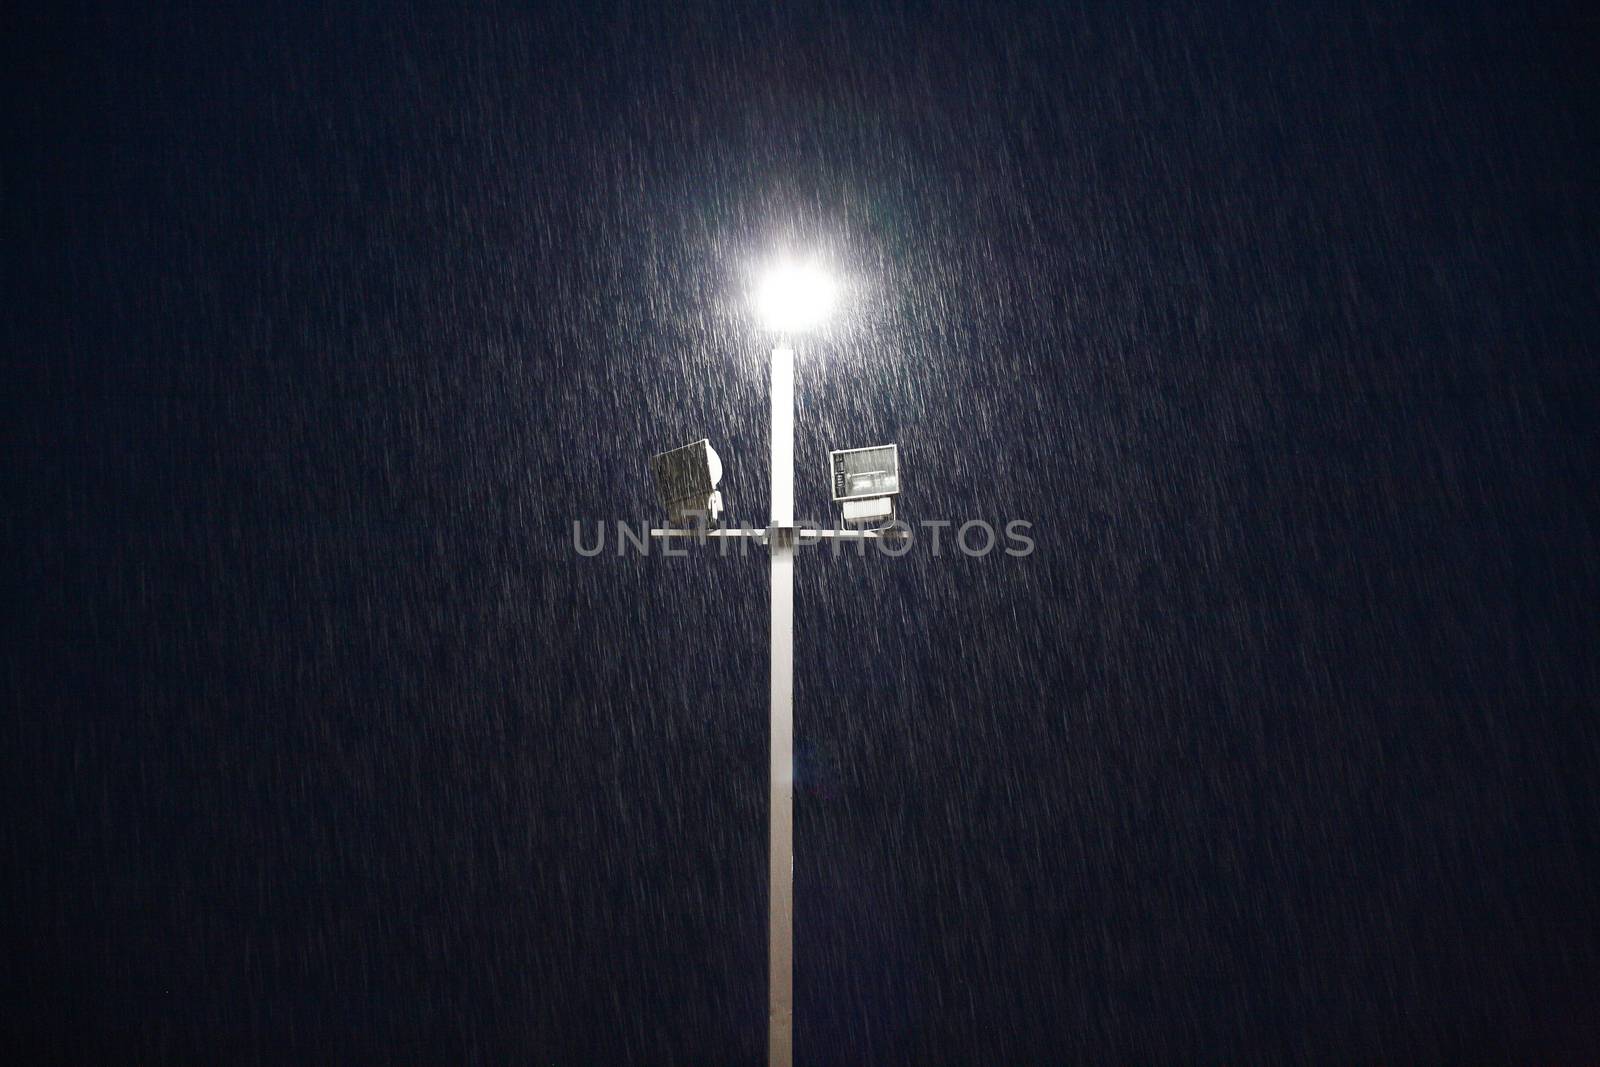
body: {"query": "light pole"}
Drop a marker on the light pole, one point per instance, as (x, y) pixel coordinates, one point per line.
(791, 300)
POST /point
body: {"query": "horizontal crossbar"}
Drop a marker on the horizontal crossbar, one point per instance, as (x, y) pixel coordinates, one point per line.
(803, 535)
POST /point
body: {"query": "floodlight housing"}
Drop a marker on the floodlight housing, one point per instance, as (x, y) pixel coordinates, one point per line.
(686, 481)
(795, 297)
(866, 481)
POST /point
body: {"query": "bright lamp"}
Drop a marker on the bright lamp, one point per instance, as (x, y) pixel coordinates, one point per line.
(794, 297)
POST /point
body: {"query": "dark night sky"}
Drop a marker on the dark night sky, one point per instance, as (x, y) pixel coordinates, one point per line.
(1278, 324)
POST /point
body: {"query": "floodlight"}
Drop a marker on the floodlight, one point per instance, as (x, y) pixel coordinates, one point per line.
(866, 481)
(686, 481)
(795, 297)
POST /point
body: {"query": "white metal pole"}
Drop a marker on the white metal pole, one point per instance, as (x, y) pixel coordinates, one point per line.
(780, 891)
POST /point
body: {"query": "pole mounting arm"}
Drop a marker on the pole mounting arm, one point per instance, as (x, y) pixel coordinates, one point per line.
(790, 535)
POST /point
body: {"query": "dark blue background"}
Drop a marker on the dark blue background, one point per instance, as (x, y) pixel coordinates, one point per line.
(1277, 322)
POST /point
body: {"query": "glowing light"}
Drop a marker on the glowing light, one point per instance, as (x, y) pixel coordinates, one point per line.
(795, 297)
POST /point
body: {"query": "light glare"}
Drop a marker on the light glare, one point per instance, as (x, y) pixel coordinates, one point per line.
(795, 297)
